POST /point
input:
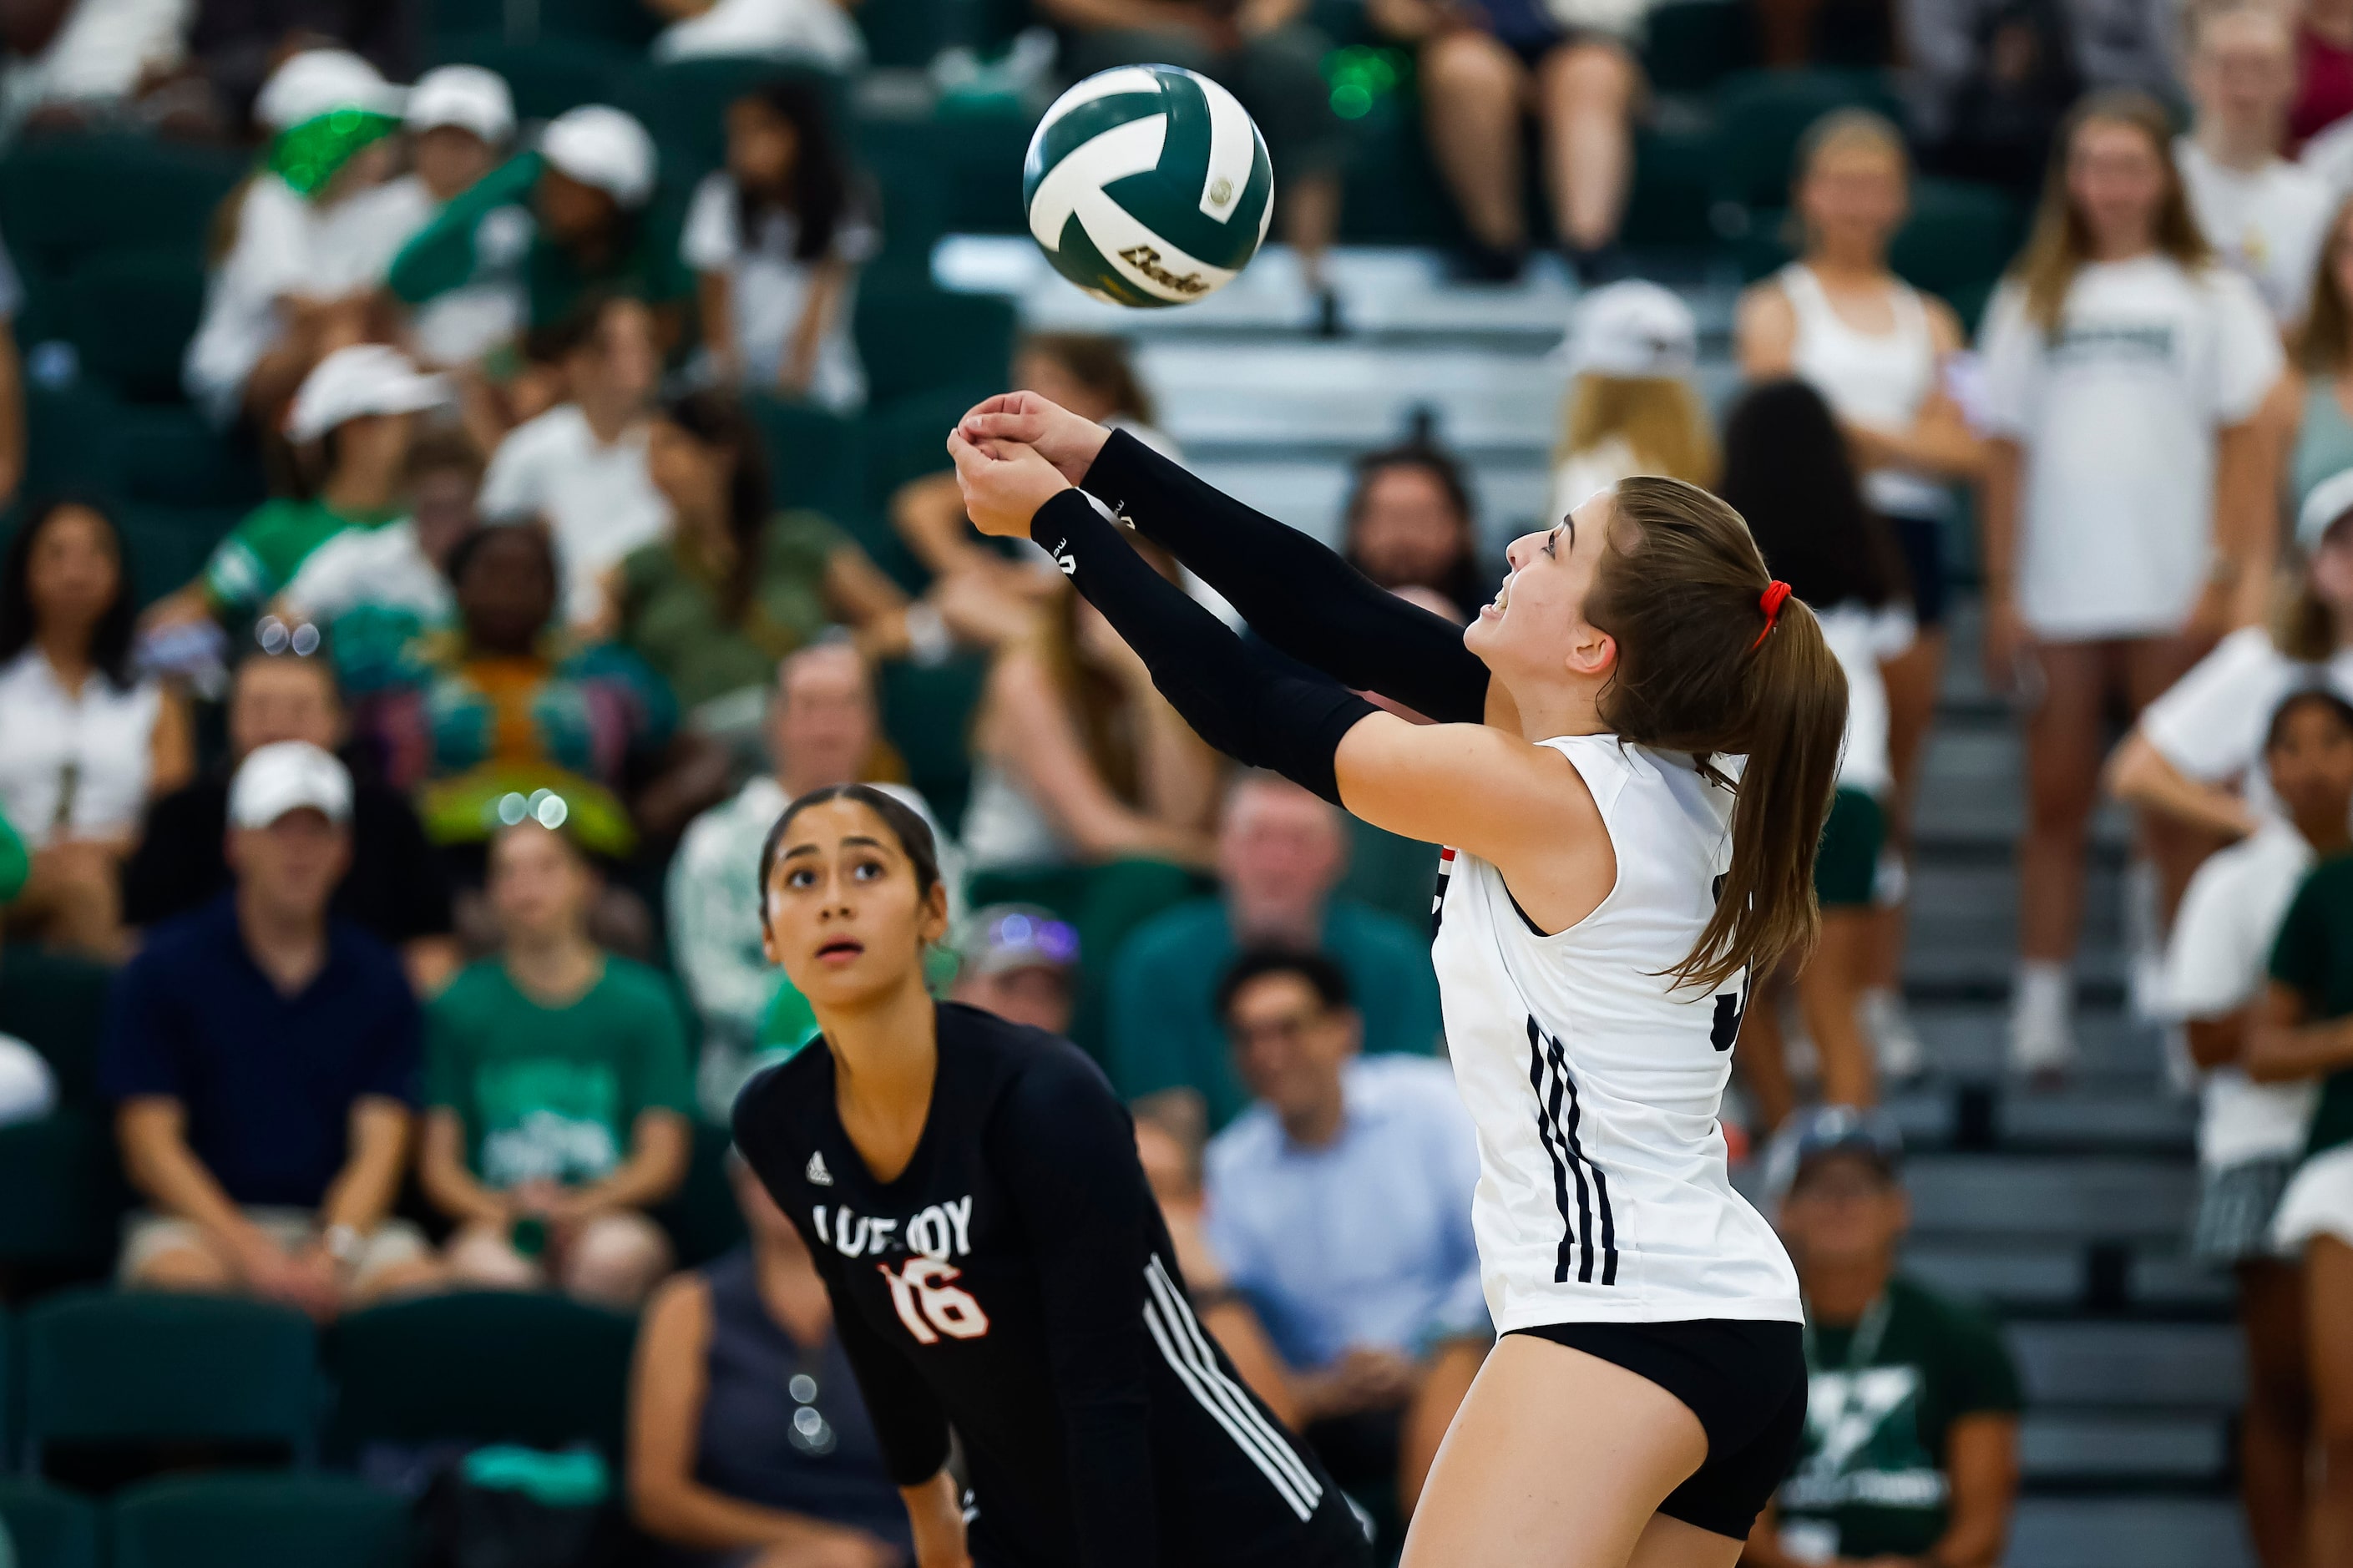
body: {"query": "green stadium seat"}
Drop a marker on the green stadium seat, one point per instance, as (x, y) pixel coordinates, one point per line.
(108, 1369)
(171, 454)
(907, 441)
(65, 198)
(65, 1194)
(906, 32)
(916, 208)
(976, 148)
(484, 1367)
(1959, 236)
(48, 1528)
(815, 457)
(1762, 115)
(168, 545)
(921, 341)
(1692, 45)
(630, 24)
(55, 1003)
(1668, 203)
(928, 715)
(547, 76)
(242, 1521)
(702, 1218)
(131, 314)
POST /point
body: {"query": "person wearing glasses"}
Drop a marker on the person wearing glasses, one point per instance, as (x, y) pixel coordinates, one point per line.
(749, 1444)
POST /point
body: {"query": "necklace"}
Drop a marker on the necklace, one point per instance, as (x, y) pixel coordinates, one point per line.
(1863, 1348)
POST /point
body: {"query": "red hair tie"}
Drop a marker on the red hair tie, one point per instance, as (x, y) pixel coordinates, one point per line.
(1770, 601)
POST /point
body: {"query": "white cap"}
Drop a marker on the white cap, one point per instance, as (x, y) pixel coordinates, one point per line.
(598, 145)
(365, 378)
(1633, 329)
(467, 97)
(2331, 498)
(288, 775)
(318, 81)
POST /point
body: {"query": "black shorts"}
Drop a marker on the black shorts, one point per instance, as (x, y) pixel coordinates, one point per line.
(1744, 1381)
(1922, 540)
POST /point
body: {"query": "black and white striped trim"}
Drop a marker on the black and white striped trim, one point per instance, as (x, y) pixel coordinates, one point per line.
(1548, 1077)
(1174, 1328)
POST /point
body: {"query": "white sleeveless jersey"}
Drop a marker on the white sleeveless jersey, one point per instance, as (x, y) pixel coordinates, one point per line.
(1603, 1195)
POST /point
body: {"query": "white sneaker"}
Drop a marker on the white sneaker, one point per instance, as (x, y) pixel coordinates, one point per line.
(2042, 1022)
(1902, 1054)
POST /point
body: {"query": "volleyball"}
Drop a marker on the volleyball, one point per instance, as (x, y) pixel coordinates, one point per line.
(1149, 186)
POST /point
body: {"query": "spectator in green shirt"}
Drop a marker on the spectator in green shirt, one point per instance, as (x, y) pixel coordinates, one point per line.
(1912, 1401)
(1280, 853)
(737, 586)
(558, 1093)
(578, 217)
(352, 424)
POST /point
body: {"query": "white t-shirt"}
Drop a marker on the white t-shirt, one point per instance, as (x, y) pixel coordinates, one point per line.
(1861, 638)
(770, 288)
(102, 739)
(598, 500)
(98, 56)
(1581, 476)
(290, 247)
(2269, 224)
(379, 567)
(2117, 416)
(2211, 722)
(2214, 964)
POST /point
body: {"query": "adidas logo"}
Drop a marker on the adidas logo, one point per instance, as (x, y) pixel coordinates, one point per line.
(819, 1176)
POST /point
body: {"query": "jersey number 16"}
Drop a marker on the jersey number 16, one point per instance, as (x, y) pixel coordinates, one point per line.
(930, 1305)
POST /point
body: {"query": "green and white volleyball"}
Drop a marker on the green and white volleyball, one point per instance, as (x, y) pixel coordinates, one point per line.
(1149, 186)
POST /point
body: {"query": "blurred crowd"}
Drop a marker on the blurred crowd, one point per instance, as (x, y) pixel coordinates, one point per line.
(422, 822)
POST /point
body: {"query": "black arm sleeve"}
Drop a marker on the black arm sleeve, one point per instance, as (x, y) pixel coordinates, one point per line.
(1298, 595)
(1066, 1154)
(1256, 707)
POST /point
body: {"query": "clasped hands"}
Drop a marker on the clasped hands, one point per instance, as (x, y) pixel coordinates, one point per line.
(1016, 452)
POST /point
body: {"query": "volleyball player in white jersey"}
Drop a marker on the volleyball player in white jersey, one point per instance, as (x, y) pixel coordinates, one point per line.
(1609, 892)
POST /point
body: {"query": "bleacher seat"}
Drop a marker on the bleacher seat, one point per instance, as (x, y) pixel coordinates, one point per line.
(107, 1368)
(66, 198)
(65, 1196)
(917, 206)
(549, 76)
(902, 442)
(48, 1528)
(915, 341)
(244, 1521)
(977, 149)
(1959, 238)
(906, 32)
(55, 1003)
(1692, 45)
(483, 1367)
(928, 715)
(629, 24)
(1761, 115)
(130, 314)
(169, 544)
(83, 437)
(815, 457)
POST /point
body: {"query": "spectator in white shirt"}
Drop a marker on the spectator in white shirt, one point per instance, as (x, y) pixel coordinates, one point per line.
(400, 569)
(2320, 394)
(776, 240)
(2251, 1135)
(581, 466)
(307, 243)
(2125, 504)
(87, 744)
(2197, 754)
(2263, 215)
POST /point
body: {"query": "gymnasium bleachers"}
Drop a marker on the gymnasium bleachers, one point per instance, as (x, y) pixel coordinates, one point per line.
(2066, 1210)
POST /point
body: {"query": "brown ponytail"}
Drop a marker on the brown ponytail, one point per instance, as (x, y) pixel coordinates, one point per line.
(1681, 587)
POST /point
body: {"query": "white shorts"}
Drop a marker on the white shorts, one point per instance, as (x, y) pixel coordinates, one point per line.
(2318, 1202)
(146, 1234)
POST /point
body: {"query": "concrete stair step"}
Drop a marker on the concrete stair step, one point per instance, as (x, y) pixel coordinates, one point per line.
(2124, 1365)
(2069, 1198)
(2051, 1279)
(2131, 1450)
(1966, 1040)
(2114, 1532)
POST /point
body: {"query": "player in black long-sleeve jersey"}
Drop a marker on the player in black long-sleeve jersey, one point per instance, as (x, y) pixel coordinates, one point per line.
(997, 1265)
